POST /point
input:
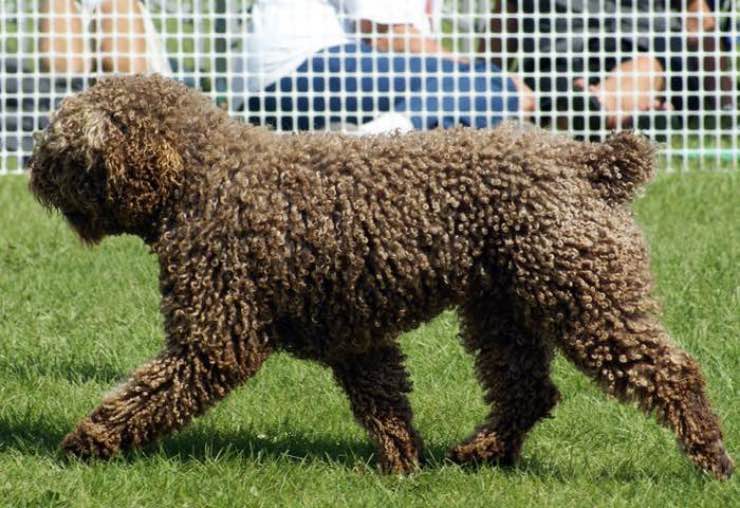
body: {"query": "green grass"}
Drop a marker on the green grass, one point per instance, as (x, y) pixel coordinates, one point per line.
(74, 321)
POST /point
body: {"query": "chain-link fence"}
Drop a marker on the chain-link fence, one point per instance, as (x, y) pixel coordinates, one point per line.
(668, 68)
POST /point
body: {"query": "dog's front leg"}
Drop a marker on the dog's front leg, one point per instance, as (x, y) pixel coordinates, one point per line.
(513, 366)
(376, 383)
(161, 396)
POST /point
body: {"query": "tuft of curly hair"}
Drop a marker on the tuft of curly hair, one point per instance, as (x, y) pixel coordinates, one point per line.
(329, 247)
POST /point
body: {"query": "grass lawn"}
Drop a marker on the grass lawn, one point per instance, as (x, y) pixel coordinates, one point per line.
(74, 322)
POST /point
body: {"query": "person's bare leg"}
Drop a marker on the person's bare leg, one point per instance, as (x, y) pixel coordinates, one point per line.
(527, 100)
(700, 20)
(630, 87)
(123, 44)
(700, 26)
(62, 40)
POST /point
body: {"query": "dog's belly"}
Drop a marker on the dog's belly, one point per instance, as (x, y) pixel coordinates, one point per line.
(337, 328)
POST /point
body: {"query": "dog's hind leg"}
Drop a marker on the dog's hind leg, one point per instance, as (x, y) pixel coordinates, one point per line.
(160, 397)
(513, 367)
(598, 304)
(377, 384)
(634, 359)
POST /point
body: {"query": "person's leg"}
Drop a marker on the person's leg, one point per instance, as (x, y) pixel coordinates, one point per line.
(354, 83)
(123, 37)
(344, 84)
(62, 39)
(504, 25)
(527, 98)
(630, 84)
(445, 93)
(550, 61)
(705, 53)
(700, 20)
(348, 84)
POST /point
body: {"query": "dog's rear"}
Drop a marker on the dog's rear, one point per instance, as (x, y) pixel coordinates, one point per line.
(576, 277)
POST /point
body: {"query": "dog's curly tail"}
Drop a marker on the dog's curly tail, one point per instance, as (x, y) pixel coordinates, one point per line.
(620, 166)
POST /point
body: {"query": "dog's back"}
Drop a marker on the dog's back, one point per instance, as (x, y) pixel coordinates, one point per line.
(358, 239)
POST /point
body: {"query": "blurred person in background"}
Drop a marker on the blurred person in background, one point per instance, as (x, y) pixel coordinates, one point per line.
(76, 42)
(611, 60)
(376, 64)
(103, 35)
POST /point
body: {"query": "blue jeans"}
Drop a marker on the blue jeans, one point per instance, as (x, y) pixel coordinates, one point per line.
(354, 82)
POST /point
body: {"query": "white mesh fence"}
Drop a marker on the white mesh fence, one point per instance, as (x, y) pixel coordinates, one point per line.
(666, 67)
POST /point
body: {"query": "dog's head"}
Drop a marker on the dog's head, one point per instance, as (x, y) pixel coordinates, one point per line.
(111, 156)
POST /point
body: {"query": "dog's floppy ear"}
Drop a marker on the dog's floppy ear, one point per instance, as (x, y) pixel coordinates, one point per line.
(68, 162)
(86, 128)
(98, 130)
(142, 166)
(142, 153)
(127, 149)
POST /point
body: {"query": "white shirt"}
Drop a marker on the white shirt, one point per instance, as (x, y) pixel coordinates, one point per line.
(284, 33)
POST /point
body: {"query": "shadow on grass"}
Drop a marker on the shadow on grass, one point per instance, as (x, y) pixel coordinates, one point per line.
(72, 370)
(42, 437)
(38, 436)
(198, 445)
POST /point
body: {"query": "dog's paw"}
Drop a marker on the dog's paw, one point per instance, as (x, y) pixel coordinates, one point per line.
(399, 464)
(484, 448)
(723, 468)
(715, 461)
(400, 452)
(90, 441)
(400, 460)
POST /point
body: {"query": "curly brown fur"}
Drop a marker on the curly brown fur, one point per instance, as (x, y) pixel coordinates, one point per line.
(329, 247)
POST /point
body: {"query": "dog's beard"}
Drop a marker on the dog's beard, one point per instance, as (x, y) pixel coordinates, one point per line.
(90, 238)
(89, 232)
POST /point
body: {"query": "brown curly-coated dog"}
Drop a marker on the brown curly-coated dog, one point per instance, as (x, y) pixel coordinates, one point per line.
(329, 247)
